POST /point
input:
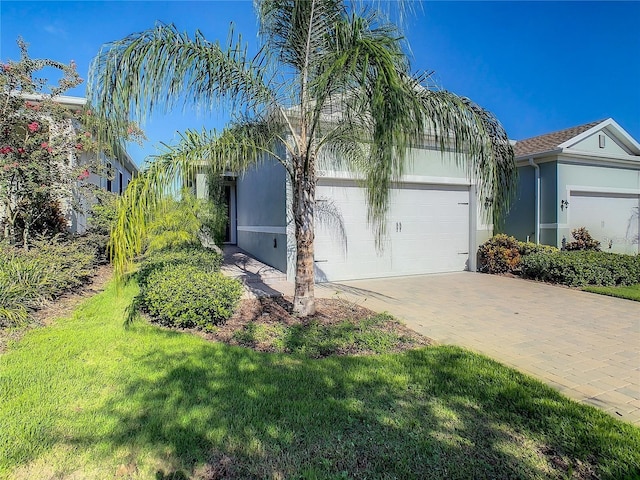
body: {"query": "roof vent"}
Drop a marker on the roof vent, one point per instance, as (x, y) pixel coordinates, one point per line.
(601, 138)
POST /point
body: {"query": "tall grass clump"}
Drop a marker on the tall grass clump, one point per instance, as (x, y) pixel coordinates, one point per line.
(29, 278)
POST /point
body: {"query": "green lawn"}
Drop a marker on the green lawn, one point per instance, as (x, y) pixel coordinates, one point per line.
(87, 398)
(631, 292)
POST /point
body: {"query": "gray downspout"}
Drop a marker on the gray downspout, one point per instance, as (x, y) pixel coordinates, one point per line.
(537, 189)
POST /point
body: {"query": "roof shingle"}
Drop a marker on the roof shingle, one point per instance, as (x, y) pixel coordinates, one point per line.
(549, 141)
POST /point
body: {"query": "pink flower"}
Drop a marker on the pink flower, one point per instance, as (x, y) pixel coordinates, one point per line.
(84, 175)
(6, 149)
(87, 134)
(44, 145)
(21, 150)
(33, 127)
(78, 146)
(6, 67)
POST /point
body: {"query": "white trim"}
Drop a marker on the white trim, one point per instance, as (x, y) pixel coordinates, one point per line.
(589, 158)
(587, 133)
(581, 157)
(548, 226)
(617, 131)
(612, 190)
(261, 229)
(423, 179)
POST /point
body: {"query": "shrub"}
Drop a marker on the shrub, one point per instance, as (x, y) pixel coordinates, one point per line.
(499, 254)
(583, 241)
(503, 254)
(205, 259)
(578, 268)
(187, 296)
(527, 248)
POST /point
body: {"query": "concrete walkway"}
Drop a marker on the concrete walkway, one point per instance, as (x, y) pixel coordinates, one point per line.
(587, 346)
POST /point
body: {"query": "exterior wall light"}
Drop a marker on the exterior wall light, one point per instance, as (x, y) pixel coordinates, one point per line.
(564, 204)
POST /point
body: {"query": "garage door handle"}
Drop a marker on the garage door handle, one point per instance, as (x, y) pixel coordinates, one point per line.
(463, 203)
(400, 227)
(463, 253)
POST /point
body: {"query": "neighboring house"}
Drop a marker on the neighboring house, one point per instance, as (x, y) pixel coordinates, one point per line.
(120, 170)
(433, 225)
(585, 176)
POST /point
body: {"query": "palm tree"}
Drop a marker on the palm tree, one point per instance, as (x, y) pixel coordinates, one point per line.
(330, 80)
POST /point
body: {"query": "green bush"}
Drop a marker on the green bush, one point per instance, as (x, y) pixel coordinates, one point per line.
(503, 254)
(579, 268)
(205, 259)
(187, 296)
(527, 248)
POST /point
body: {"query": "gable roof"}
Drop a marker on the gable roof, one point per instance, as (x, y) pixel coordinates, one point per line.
(550, 141)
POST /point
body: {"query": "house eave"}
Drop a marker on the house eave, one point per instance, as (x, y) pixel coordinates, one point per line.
(579, 156)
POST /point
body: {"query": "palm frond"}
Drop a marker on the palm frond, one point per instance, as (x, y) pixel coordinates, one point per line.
(297, 31)
(234, 149)
(161, 67)
(458, 123)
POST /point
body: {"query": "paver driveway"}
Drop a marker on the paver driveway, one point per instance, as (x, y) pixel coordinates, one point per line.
(585, 345)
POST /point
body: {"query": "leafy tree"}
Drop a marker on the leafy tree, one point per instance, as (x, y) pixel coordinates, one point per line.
(48, 150)
(37, 146)
(330, 80)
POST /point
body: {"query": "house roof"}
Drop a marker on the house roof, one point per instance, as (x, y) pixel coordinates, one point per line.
(550, 141)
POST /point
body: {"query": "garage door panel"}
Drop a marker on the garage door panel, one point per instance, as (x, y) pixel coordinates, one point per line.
(611, 219)
(427, 232)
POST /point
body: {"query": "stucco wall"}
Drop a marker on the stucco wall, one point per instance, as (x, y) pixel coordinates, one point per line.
(120, 178)
(520, 221)
(261, 213)
(588, 178)
(592, 144)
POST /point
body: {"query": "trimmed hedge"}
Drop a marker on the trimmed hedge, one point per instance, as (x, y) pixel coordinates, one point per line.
(579, 268)
(188, 296)
(205, 259)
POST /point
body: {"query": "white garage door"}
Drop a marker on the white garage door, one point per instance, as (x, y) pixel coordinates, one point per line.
(428, 232)
(611, 219)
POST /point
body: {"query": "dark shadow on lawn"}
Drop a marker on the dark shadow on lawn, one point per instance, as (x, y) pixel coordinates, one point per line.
(423, 414)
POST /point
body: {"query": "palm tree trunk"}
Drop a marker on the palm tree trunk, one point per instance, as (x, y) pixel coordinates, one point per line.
(304, 191)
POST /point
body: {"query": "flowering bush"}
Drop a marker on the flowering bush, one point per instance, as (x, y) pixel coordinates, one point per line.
(45, 148)
(37, 158)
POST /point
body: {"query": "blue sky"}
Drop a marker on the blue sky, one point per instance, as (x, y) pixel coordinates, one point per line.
(538, 66)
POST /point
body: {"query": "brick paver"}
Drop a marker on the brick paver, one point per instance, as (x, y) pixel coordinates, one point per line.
(585, 345)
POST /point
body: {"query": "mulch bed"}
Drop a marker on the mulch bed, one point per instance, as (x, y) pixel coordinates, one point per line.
(277, 311)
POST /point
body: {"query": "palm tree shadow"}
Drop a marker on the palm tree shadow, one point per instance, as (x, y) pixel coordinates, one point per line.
(223, 412)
